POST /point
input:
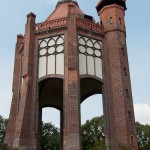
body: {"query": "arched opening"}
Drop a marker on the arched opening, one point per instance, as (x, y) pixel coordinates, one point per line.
(89, 85)
(50, 134)
(50, 112)
(92, 121)
(51, 93)
(91, 107)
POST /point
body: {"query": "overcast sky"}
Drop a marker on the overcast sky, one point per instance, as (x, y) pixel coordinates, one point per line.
(12, 22)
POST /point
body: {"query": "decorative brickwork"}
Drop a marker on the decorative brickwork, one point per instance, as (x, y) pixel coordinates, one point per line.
(50, 24)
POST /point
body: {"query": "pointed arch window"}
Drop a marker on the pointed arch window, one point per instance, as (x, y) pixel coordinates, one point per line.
(90, 55)
(51, 56)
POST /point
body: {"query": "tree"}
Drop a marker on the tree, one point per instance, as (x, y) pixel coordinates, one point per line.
(143, 134)
(50, 137)
(93, 134)
(3, 125)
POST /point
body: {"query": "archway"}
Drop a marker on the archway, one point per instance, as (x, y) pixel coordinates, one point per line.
(50, 134)
(91, 107)
(91, 112)
(51, 104)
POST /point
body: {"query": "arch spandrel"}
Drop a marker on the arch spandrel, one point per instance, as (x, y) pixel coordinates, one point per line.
(89, 85)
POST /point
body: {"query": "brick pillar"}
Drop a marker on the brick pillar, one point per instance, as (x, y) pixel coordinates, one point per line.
(16, 94)
(117, 89)
(61, 130)
(71, 106)
(22, 139)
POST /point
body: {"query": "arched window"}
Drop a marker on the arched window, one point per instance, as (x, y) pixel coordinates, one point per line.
(120, 21)
(125, 71)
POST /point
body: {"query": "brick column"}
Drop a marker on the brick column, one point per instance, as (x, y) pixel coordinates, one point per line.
(16, 94)
(118, 104)
(71, 106)
(22, 139)
(61, 130)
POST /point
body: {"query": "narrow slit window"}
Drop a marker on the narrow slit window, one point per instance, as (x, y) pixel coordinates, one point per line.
(132, 143)
(125, 71)
(120, 20)
(122, 50)
(111, 20)
(127, 92)
(129, 114)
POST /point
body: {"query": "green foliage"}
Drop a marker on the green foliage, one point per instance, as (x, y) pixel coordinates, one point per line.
(143, 134)
(50, 137)
(3, 147)
(93, 134)
(3, 125)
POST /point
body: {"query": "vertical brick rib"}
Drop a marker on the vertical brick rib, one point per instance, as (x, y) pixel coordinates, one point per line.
(15, 98)
(71, 113)
(23, 124)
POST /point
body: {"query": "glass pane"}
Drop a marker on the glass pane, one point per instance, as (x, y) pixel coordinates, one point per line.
(82, 49)
(51, 42)
(81, 41)
(63, 36)
(89, 43)
(97, 45)
(60, 48)
(60, 41)
(90, 62)
(97, 53)
(43, 44)
(42, 66)
(98, 66)
(93, 41)
(100, 43)
(90, 51)
(60, 64)
(82, 64)
(43, 51)
(46, 40)
(51, 50)
(51, 64)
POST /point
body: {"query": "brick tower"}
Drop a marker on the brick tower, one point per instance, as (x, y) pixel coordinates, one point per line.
(62, 61)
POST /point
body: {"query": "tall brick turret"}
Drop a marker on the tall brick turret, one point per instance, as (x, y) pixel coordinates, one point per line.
(120, 122)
